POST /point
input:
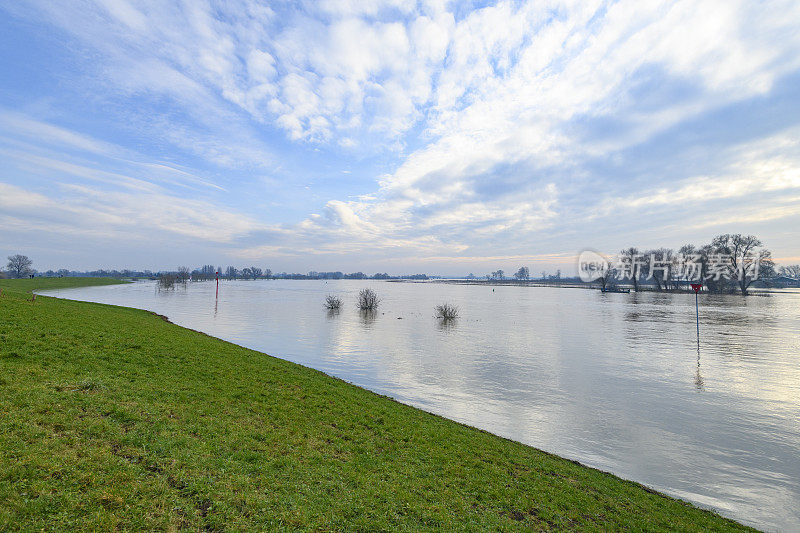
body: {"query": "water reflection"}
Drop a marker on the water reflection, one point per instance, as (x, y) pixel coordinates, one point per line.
(611, 380)
(368, 317)
(698, 379)
(447, 325)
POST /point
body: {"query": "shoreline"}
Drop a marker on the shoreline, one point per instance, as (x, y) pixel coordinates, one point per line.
(591, 286)
(519, 454)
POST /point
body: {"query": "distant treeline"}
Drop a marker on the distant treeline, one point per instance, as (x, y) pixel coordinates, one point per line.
(257, 273)
(209, 272)
(101, 273)
(353, 275)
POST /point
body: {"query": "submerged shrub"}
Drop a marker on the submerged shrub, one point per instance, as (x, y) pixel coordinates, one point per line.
(368, 300)
(333, 302)
(166, 281)
(446, 311)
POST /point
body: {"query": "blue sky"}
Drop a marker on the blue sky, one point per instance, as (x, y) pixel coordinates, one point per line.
(444, 137)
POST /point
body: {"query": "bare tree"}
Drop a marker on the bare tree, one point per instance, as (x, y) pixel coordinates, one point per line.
(658, 265)
(746, 260)
(367, 300)
(714, 280)
(791, 271)
(498, 274)
(631, 260)
(523, 273)
(693, 266)
(166, 281)
(19, 266)
(608, 279)
(184, 273)
(689, 264)
(231, 272)
(255, 272)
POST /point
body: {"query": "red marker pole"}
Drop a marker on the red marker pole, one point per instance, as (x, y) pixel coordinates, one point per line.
(217, 285)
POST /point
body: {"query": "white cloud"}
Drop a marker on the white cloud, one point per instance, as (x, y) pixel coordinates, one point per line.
(41, 145)
(497, 106)
(515, 79)
(85, 211)
(24, 126)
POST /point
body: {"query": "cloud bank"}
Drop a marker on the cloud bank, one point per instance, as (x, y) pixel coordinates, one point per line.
(412, 134)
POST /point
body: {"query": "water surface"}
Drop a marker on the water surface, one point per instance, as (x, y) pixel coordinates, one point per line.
(612, 380)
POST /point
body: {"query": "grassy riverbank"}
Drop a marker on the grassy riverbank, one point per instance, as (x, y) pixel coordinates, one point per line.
(115, 418)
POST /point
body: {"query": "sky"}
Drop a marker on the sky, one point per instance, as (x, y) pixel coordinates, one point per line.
(394, 136)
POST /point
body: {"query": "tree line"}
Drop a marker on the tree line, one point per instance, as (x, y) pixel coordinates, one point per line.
(21, 266)
(729, 263)
(522, 274)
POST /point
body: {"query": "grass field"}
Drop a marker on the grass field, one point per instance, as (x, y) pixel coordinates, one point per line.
(113, 418)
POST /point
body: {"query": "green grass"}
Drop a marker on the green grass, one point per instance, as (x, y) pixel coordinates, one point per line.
(112, 418)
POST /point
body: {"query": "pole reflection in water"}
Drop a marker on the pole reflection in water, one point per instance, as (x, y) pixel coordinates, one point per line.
(698, 379)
